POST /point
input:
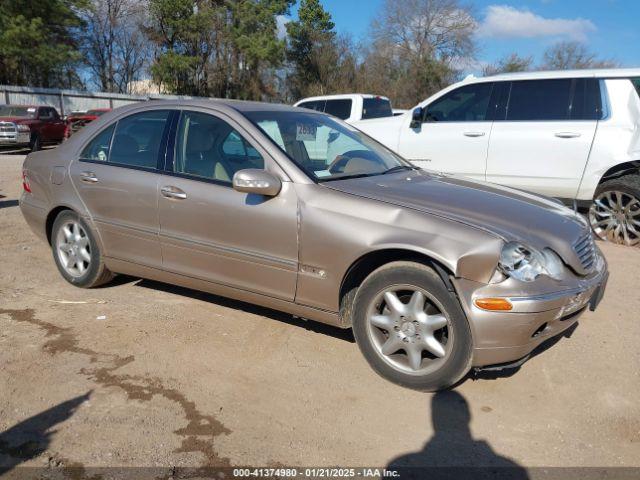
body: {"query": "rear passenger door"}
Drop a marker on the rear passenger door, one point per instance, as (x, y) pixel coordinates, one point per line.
(117, 178)
(543, 133)
(210, 231)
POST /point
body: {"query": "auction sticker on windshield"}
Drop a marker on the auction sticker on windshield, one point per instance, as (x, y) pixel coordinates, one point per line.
(305, 132)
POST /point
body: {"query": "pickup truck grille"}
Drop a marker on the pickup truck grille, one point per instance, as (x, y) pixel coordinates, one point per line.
(585, 249)
(7, 127)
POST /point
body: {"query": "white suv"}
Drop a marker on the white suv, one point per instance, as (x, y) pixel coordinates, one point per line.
(574, 135)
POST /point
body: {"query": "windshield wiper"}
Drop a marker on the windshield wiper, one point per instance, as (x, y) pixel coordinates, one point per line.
(397, 168)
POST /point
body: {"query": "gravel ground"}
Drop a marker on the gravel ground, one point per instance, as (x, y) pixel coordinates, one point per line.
(144, 374)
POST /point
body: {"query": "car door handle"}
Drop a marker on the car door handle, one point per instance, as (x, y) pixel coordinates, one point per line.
(474, 134)
(567, 134)
(88, 177)
(173, 192)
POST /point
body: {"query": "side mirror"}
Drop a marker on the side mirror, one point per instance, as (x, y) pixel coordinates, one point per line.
(260, 182)
(417, 117)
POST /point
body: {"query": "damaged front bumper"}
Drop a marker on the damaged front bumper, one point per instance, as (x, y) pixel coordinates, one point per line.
(541, 310)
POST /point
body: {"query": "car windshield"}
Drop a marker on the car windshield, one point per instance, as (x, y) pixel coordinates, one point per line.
(16, 111)
(326, 148)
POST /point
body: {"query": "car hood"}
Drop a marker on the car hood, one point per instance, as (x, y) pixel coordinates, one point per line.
(506, 212)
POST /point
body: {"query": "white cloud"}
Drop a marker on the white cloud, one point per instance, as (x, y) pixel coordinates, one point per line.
(504, 21)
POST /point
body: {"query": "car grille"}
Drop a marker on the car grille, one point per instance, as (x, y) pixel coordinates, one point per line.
(585, 249)
(7, 127)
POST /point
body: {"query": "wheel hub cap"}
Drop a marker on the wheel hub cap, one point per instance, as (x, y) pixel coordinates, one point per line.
(73, 249)
(615, 217)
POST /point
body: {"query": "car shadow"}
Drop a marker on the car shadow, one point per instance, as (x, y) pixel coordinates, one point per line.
(452, 452)
(310, 325)
(31, 437)
(508, 372)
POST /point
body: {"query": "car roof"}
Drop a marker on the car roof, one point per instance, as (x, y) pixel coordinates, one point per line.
(588, 73)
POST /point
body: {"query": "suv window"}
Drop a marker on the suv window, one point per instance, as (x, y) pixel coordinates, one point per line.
(376, 108)
(586, 103)
(539, 100)
(338, 108)
(464, 104)
(636, 83)
(98, 148)
(138, 137)
(209, 147)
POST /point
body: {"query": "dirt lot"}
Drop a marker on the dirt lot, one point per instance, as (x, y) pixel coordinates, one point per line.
(144, 374)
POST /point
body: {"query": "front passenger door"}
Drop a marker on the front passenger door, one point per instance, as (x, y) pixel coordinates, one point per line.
(210, 231)
(454, 134)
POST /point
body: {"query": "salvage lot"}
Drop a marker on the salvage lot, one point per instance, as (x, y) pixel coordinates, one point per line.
(144, 374)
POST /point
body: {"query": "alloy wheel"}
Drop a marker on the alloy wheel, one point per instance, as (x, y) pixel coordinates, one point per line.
(409, 329)
(615, 217)
(73, 248)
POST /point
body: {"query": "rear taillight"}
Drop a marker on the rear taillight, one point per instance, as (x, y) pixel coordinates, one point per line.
(25, 182)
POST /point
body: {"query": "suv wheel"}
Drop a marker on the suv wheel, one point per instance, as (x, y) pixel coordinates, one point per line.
(76, 252)
(410, 328)
(615, 212)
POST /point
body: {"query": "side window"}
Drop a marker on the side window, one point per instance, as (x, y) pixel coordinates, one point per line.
(338, 108)
(586, 103)
(317, 105)
(44, 114)
(209, 147)
(464, 104)
(54, 114)
(98, 148)
(636, 84)
(376, 108)
(539, 100)
(138, 137)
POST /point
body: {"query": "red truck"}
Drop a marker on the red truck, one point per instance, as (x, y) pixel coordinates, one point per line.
(76, 121)
(30, 126)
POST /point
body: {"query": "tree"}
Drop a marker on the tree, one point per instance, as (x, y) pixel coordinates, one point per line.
(116, 51)
(38, 45)
(311, 44)
(422, 44)
(508, 64)
(571, 55)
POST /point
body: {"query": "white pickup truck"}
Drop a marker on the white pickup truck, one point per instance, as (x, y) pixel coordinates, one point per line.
(574, 135)
(350, 107)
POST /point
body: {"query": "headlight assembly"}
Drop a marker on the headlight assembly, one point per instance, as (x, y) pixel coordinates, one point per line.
(22, 127)
(526, 263)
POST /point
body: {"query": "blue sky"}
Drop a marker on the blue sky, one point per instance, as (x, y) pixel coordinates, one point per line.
(608, 27)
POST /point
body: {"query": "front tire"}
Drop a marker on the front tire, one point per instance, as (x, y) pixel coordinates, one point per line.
(76, 252)
(615, 213)
(410, 328)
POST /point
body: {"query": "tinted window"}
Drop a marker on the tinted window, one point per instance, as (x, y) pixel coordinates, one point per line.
(636, 83)
(539, 100)
(586, 103)
(45, 114)
(464, 104)
(137, 139)
(209, 147)
(376, 108)
(317, 105)
(98, 148)
(338, 108)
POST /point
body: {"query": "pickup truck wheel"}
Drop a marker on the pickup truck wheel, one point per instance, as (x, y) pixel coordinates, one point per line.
(34, 143)
(76, 252)
(615, 213)
(410, 328)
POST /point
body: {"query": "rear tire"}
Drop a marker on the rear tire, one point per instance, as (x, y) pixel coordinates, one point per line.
(410, 328)
(615, 214)
(76, 252)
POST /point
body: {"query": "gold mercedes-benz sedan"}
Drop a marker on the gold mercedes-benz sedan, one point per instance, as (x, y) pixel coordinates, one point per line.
(298, 211)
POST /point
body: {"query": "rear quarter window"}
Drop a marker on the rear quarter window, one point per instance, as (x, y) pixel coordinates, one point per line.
(98, 148)
(636, 83)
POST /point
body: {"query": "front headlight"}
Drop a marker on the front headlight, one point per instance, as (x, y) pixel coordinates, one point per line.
(22, 127)
(526, 263)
